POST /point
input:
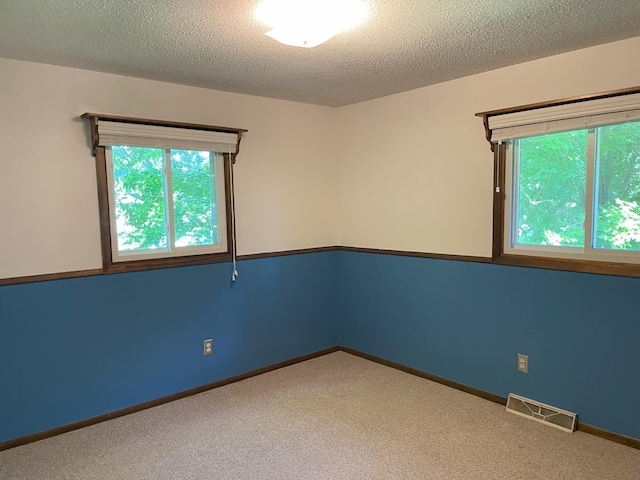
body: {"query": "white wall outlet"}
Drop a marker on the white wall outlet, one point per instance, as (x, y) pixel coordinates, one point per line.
(523, 363)
(208, 347)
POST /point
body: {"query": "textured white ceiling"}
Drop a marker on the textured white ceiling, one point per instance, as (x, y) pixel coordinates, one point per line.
(216, 44)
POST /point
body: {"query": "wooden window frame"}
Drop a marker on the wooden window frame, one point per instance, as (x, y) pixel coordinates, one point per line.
(498, 256)
(108, 265)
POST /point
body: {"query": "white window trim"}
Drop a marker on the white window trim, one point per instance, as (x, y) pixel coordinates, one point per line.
(171, 250)
(136, 135)
(561, 118)
(550, 251)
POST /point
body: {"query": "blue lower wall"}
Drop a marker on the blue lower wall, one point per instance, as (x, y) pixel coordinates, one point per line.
(73, 349)
(467, 321)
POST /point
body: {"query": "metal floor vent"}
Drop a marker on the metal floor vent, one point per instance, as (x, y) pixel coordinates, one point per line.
(540, 412)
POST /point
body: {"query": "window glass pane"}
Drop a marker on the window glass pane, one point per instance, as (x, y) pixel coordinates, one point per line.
(194, 198)
(139, 191)
(551, 189)
(617, 223)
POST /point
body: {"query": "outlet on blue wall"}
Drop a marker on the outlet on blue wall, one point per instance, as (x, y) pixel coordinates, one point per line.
(468, 321)
(77, 348)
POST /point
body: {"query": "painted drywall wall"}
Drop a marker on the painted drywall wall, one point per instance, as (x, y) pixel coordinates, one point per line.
(73, 349)
(468, 321)
(399, 193)
(416, 175)
(285, 173)
(416, 171)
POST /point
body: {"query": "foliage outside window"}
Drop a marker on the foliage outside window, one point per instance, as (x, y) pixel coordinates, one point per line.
(576, 193)
(567, 183)
(165, 192)
(165, 202)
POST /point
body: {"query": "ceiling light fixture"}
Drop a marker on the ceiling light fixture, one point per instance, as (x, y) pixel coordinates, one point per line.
(308, 23)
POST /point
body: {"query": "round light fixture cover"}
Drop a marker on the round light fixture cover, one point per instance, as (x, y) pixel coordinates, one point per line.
(308, 23)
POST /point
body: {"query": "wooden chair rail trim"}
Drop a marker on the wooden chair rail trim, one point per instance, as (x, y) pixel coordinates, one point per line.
(614, 437)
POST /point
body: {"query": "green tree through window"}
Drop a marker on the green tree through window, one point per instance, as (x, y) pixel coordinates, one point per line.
(139, 186)
(551, 193)
(618, 190)
(551, 188)
(142, 203)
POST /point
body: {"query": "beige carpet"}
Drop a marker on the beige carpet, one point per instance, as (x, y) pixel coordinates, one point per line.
(334, 417)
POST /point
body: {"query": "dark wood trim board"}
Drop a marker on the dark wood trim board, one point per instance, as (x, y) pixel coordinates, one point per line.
(159, 401)
(50, 276)
(419, 373)
(508, 260)
(99, 271)
(583, 427)
(614, 437)
(405, 253)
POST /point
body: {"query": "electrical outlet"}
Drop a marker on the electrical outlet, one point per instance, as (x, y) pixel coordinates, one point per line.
(523, 363)
(208, 347)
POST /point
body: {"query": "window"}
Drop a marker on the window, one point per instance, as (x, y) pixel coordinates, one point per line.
(575, 194)
(165, 202)
(567, 183)
(165, 192)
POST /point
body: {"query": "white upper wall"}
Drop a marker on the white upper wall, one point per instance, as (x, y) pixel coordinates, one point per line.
(411, 172)
(285, 175)
(416, 171)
